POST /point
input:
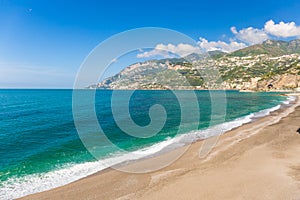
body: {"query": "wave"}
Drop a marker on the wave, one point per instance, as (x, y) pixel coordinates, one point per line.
(21, 186)
(289, 100)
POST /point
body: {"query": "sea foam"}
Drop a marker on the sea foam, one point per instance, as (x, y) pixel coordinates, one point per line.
(22, 186)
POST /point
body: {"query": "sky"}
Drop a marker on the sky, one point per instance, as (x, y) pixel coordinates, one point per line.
(43, 43)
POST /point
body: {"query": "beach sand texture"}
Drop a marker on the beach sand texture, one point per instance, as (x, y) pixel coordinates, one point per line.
(260, 160)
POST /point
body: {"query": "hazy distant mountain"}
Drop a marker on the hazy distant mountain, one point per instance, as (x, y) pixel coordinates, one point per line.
(273, 63)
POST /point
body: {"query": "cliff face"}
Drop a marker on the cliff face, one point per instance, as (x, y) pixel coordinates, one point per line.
(261, 72)
(280, 82)
(272, 65)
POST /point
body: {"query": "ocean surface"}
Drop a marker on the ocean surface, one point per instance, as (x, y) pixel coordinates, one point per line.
(40, 147)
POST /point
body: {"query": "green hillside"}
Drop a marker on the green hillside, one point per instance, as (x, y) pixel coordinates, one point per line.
(254, 67)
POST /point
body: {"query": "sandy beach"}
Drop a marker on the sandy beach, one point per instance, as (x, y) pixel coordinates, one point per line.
(259, 160)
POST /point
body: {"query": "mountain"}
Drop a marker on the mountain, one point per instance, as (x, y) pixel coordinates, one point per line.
(270, 47)
(216, 54)
(273, 63)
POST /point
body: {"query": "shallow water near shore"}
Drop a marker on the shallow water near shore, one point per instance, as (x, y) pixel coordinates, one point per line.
(40, 148)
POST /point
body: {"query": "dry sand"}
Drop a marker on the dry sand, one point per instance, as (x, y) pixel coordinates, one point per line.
(260, 160)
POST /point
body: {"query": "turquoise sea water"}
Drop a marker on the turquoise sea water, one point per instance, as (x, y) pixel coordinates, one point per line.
(40, 147)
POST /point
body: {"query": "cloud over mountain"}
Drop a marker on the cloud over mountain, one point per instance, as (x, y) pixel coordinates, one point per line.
(241, 39)
(250, 35)
(282, 29)
(163, 50)
(220, 45)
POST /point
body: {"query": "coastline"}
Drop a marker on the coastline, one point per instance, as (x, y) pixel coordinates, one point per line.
(198, 89)
(232, 146)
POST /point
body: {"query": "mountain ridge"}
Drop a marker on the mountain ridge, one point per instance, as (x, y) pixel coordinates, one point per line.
(270, 47)
(256, 67)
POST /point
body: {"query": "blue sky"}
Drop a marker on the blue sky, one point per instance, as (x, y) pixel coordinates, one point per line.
(43, 43)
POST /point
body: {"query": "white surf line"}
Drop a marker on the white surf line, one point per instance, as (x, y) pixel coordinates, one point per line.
(253, 130)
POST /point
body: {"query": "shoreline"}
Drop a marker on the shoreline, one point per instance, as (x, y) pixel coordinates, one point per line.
(145, 182)
(292, 91)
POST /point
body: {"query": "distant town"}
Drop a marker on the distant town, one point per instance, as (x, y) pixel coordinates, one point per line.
(270, 66)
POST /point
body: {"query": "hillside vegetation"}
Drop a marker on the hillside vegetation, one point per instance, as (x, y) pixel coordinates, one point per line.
(272, 65)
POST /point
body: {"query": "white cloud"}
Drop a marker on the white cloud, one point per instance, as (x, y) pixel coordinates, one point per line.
(282, 29)
(186, 49)
(250, 35)
(220, 45)
(164, 50)
(233, 30)
(152, 53)
(242, 38)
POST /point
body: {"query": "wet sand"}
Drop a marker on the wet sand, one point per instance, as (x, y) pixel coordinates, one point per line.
(260, 160)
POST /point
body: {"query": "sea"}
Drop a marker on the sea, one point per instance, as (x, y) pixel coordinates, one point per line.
(41, 147)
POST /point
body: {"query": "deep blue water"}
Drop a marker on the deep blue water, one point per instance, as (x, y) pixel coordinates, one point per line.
(38, 134)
